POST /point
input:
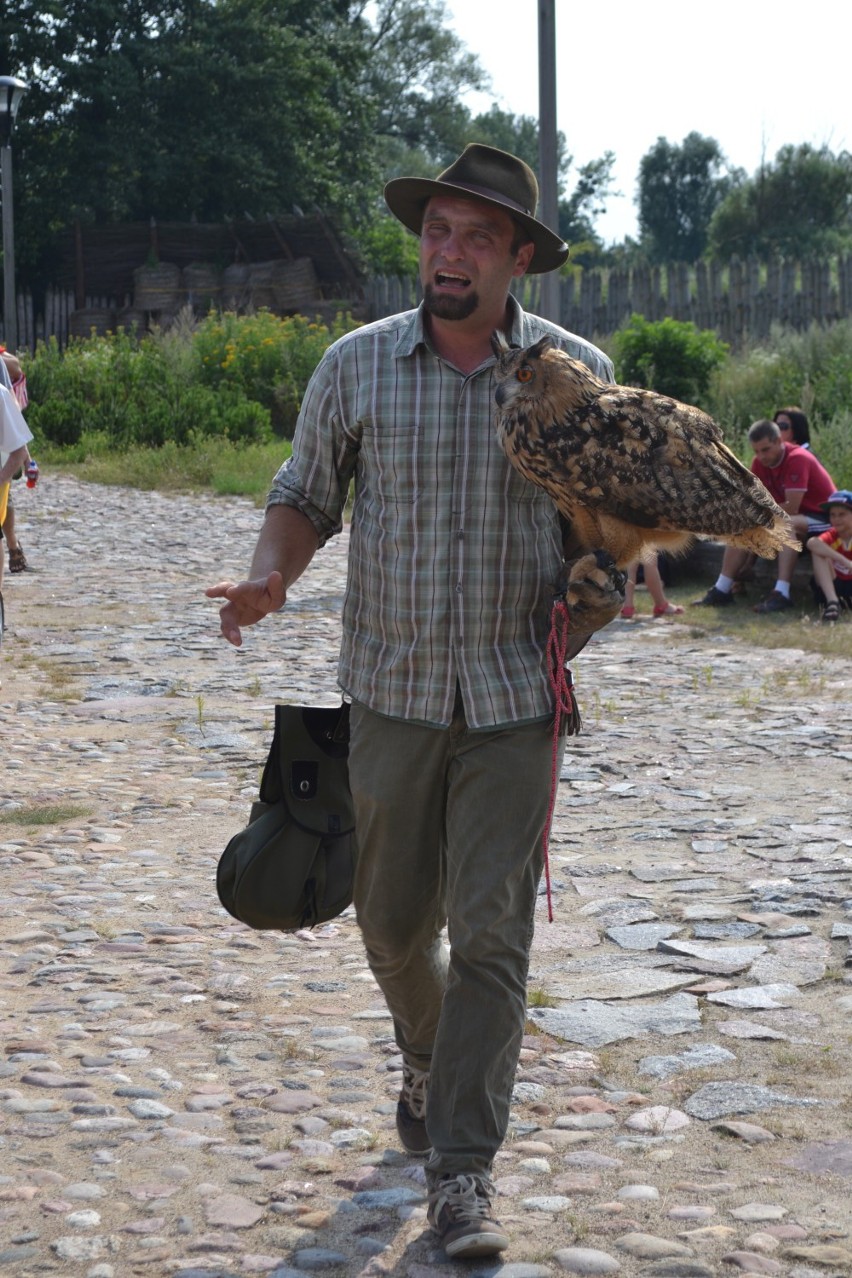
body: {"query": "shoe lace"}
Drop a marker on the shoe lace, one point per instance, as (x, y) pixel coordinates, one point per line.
(468, 1196)
(415, 1086)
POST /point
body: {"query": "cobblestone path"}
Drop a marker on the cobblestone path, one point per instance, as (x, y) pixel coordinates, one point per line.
(182, 1097)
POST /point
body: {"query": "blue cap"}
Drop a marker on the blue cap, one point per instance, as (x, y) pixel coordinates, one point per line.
(841, 498)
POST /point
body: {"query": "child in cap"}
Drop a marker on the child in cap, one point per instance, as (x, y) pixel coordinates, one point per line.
(831, 554)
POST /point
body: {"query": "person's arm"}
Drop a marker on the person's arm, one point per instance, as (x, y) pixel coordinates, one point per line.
(822, 550)
(287, 543)
(13, 366)
(792, 500)
(13, 463)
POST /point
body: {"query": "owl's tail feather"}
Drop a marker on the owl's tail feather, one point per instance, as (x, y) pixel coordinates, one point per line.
(766, 542)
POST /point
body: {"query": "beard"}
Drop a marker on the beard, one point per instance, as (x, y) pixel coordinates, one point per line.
(449, 307)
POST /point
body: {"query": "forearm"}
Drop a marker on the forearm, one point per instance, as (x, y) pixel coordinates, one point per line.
(13, 463)
(287, 543)
(820, 550)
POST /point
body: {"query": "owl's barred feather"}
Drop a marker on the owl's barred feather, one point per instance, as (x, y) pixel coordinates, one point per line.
(632, 470)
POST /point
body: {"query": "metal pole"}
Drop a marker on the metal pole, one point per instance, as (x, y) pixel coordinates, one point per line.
(10, 311)
(549, 306)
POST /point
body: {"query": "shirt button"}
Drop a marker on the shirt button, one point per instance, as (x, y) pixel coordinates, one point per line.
(460, 534)
(458, 589)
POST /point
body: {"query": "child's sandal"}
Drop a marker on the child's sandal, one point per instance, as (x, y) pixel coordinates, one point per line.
(831, 611)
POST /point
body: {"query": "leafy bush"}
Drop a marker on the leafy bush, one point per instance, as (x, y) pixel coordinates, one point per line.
(669, 356)
(230, 376)
(267, 359)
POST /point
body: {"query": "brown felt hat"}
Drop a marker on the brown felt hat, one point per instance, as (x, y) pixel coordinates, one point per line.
(483, 173)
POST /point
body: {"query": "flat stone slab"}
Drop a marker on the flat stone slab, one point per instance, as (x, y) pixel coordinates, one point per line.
(701, 1057)
(719, 1100)
(757, 996)
(634, 982)
(730, 955)
(833, 1156)
(594, 1024)
(642, 936)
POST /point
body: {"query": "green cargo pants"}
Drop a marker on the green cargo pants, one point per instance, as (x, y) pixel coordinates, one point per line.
(449, 825)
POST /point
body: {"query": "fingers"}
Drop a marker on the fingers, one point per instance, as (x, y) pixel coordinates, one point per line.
(247, 602)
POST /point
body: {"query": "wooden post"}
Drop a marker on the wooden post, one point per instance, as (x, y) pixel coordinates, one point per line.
(549, 303)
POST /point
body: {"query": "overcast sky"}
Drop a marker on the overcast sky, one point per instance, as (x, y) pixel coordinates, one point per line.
(751, 74)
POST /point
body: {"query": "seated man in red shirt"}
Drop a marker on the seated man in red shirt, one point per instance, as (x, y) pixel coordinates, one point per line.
(800, 485)
(831, 554)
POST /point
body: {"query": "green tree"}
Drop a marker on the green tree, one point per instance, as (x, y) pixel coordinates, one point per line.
(798, 206)
(586, 203)
(679, 189)
(206, 109)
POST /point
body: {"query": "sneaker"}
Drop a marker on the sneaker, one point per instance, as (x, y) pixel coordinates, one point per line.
(774, 602)
(460, 1214)
(713, 599)
(411, 1111)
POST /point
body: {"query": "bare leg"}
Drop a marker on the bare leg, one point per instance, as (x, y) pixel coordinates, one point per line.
(824, 578)
(9, 527)
(630, 589)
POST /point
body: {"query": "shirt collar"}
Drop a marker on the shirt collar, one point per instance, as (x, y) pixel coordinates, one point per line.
(413, 332)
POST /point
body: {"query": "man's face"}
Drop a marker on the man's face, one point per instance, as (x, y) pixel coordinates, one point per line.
(466, 257)
(769, 451)
(840, 517)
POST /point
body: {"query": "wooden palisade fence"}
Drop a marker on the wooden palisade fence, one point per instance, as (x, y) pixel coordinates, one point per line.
(740, 300)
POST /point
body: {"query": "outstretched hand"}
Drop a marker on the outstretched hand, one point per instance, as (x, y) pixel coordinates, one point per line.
(247, 603)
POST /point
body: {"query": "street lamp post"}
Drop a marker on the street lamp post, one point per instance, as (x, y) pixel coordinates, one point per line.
(11, 92)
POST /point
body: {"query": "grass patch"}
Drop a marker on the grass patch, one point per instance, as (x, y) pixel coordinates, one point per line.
(800, 627)
(210, 465)
(541, 998)
(44, 814)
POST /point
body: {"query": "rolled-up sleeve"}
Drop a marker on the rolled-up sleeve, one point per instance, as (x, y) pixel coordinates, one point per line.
(316, 477)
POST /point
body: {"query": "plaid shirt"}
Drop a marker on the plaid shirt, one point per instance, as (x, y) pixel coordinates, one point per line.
(453, 557)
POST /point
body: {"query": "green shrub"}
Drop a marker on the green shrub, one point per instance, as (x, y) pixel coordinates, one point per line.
(669, 356)
(266, 358)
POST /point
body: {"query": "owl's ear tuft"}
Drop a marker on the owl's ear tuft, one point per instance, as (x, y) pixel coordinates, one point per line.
(499, 345)
(543, 344)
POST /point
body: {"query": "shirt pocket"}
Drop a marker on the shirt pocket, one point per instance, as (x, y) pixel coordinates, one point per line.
(391, 463)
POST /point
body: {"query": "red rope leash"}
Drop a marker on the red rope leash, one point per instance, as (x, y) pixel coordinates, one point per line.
(562, 684)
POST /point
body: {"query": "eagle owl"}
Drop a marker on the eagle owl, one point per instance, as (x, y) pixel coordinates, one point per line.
(632, 470)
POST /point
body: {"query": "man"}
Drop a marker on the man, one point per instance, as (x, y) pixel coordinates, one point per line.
(453, 563)
(800, 485)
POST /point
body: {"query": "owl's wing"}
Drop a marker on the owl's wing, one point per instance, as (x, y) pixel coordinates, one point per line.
(655, 463)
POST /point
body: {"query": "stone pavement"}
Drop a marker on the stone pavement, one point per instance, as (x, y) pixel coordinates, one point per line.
(183, 1097)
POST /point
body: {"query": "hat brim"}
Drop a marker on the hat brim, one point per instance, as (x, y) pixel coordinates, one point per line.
(407, 199)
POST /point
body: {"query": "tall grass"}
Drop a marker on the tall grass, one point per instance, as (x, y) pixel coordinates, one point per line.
(812, 369)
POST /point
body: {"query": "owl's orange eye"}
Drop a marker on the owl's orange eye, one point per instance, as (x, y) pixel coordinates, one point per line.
(524, 374)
